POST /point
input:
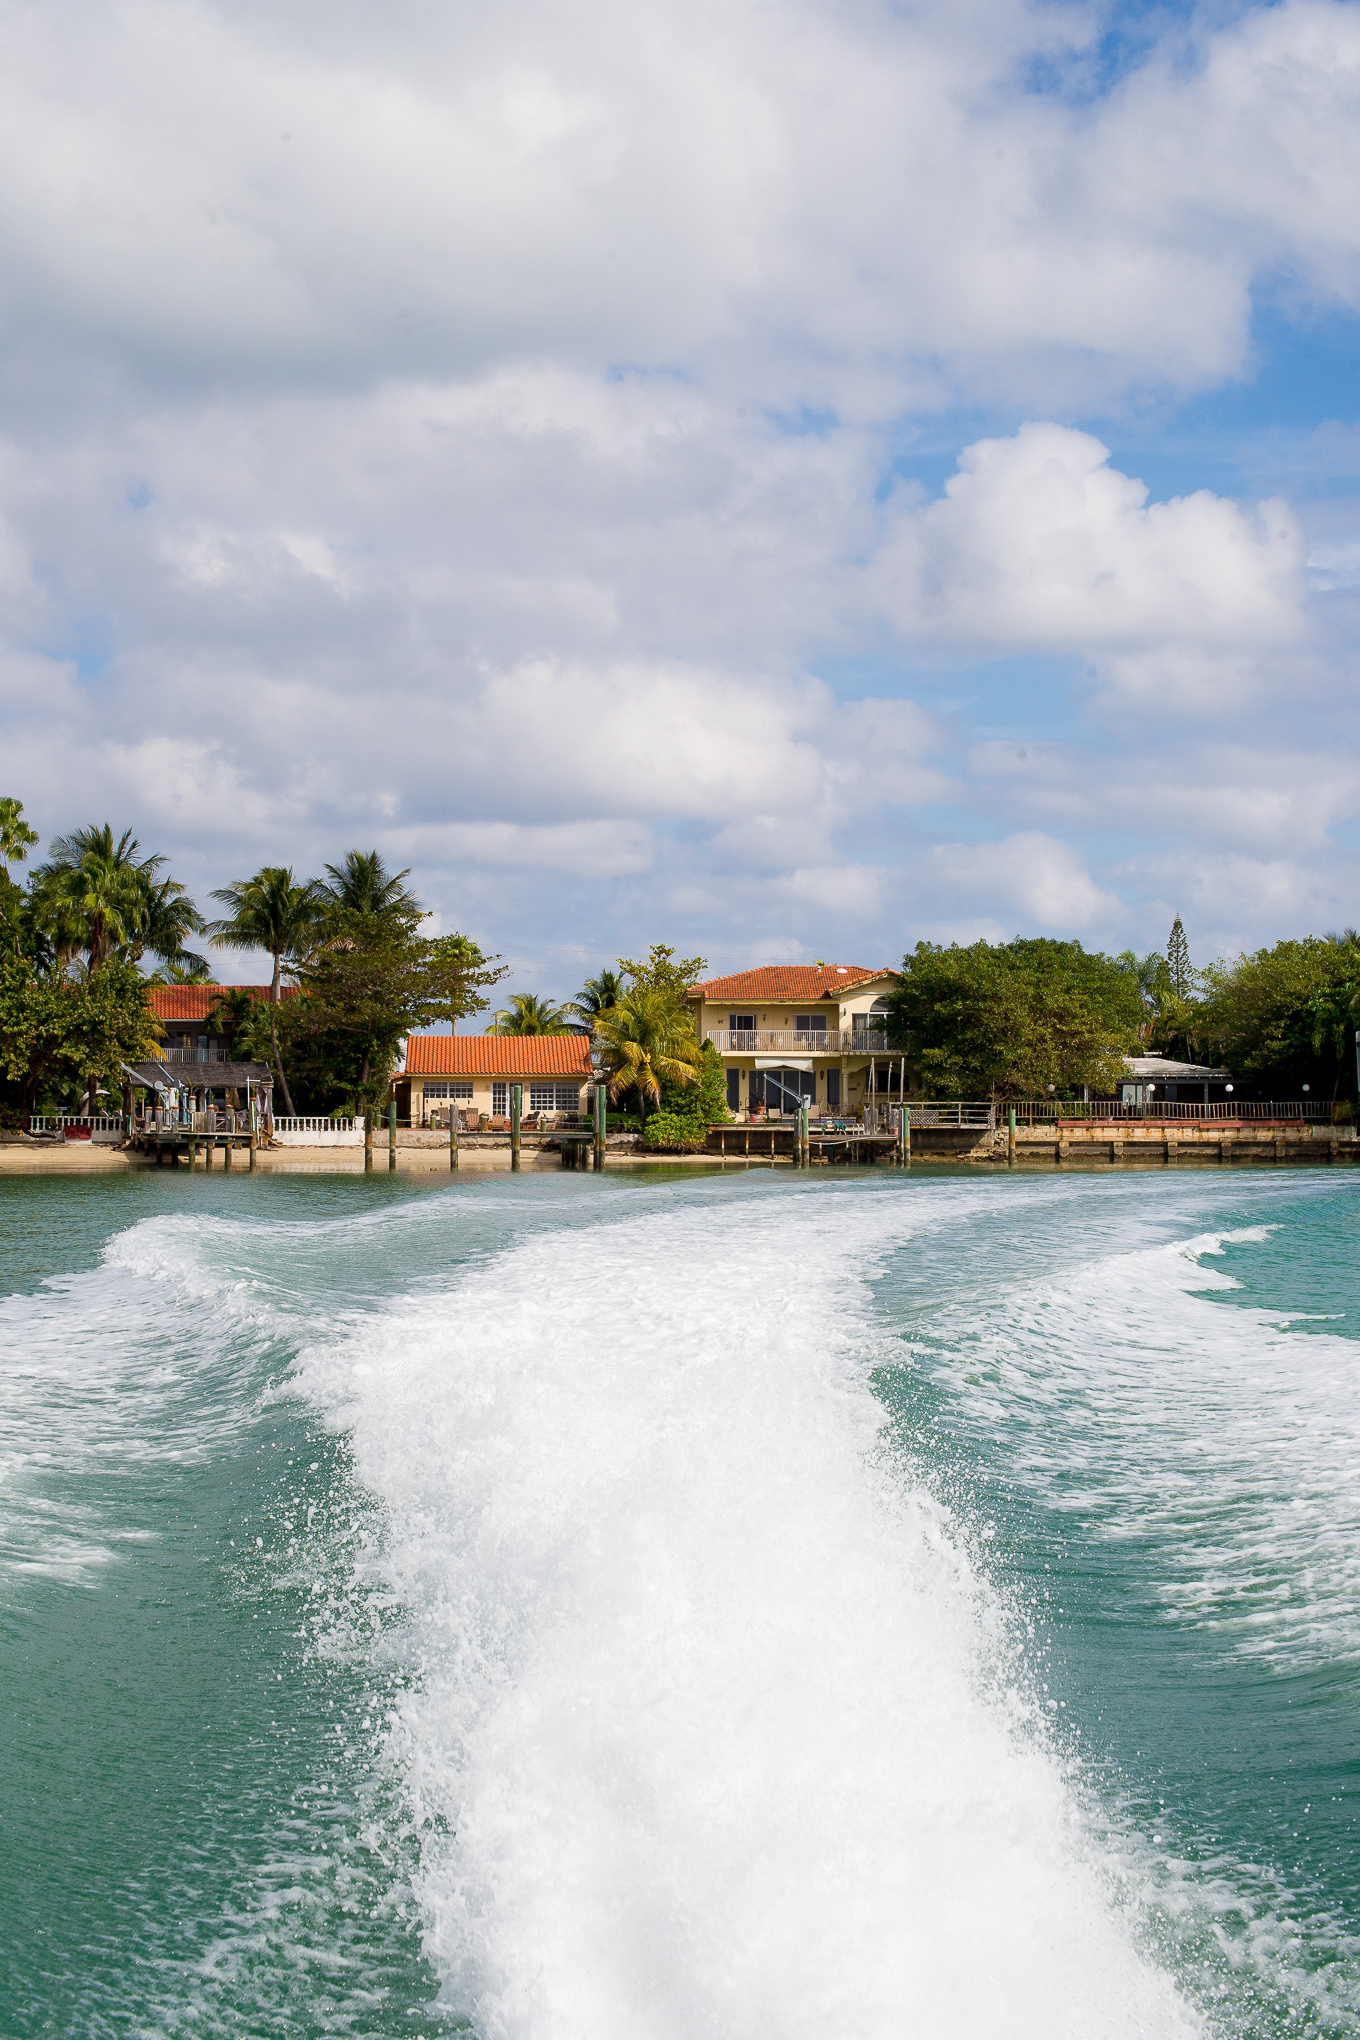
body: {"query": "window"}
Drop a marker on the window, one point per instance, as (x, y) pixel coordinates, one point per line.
(809, 1023)
(741, 1023)
(554, 1098)
(785, 1090)
(734, 1090)
(833, 1090)
(500, 1100)
(463, 1092)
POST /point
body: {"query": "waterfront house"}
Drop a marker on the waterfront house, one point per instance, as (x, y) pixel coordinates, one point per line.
(195, 1056)
(472, 1073)
(795, 1032)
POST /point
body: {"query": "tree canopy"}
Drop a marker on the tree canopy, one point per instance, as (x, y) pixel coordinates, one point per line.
(1012, 1019)
(369, 982)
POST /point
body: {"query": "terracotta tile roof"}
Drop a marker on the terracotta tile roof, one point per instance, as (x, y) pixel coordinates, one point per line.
(192, 1002)
(498, 1055)
(786, 984)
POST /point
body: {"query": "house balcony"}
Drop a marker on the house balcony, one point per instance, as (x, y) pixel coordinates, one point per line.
(793, 1041)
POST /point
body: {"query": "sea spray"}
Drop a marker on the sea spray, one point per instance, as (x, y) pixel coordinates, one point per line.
(705, 1736)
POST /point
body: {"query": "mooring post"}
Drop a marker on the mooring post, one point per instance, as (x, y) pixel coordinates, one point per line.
(601, 1126)
(906, 1136)
(453, 1132)
(1010, 1138)
(368, 1136)
(516, 1107)
(392, 1131)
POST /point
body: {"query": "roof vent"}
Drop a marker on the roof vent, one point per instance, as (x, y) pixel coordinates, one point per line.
(843, 969)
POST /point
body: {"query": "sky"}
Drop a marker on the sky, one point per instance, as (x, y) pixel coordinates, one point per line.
(786, 481)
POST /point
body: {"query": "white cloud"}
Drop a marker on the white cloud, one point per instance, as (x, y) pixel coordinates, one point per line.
(486, 469)
(1043, 881)
(840, 205)
(1038, 541)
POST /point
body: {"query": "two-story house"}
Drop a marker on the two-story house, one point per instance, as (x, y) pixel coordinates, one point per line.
(801, 1031)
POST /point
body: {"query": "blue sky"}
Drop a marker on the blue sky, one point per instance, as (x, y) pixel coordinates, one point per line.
(673, 473)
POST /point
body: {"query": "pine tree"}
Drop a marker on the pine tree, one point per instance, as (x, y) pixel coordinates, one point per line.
(1178, 960)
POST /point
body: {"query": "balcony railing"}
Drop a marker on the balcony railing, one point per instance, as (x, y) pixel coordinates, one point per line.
(794, 1041)
(177, 1052)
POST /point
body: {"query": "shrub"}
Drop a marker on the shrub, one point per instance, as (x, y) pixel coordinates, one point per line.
(676, 1133)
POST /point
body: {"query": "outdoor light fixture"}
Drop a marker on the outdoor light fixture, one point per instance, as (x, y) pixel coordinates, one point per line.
(1305, 1090)
(1228, 1089)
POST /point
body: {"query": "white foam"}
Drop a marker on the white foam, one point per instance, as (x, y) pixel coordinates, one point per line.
(709, 1733)
(1130, 1397)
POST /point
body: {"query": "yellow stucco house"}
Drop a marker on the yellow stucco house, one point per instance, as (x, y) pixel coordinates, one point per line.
(802, 1031)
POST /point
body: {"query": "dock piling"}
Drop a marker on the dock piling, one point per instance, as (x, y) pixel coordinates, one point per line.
(368, 1136)
(516, 1109)
(601, 1126)
(453, 1134)
(392, 1131)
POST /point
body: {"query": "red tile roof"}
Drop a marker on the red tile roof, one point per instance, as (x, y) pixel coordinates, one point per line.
(786, 984)
(498, 1055)
(192, 1002)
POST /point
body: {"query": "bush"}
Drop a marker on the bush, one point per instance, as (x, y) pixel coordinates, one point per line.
(676, 1133)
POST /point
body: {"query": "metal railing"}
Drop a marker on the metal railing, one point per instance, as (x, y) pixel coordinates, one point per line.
(1048, 1111)
(798, 1041)
(211, 1052)
(952, 1111)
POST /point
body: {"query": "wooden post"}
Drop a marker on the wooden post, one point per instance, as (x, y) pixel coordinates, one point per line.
(601, 1125)
(1010, 1137)
(906, 1135)
(368, 1136)
(516, 1107)
(453, 1132)
(226, 1149)
(392, 1131)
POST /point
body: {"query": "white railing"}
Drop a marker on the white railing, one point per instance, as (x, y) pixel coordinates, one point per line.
(797, 1041)
(300, 1125)
(211, 1052)
(57, 1122)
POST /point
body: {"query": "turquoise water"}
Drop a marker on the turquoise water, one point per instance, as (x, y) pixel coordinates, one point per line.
(693, 1605)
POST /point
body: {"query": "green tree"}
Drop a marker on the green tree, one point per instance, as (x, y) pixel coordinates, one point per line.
(1009, 1020)
(663, 971)
(240, 1016)
(1286, 1015)
(685, 1112)
(597, 995)
(100, 898)
(371, 981)
(16, 838)
(526, 1013)
(270, 911)
(362, 884)
(1178, 965)
(55, 1029)
(646, 1039)
(91, 893)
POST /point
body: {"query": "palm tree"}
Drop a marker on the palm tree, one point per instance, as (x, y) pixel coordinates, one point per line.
(598, 995)
(166, 918)
(364, 885)
(270, 911)
(92, 892)
(647, 1037)
(528, 1014)
(234, 1012)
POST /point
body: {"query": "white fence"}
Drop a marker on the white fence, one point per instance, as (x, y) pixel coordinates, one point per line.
(317, 1132)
